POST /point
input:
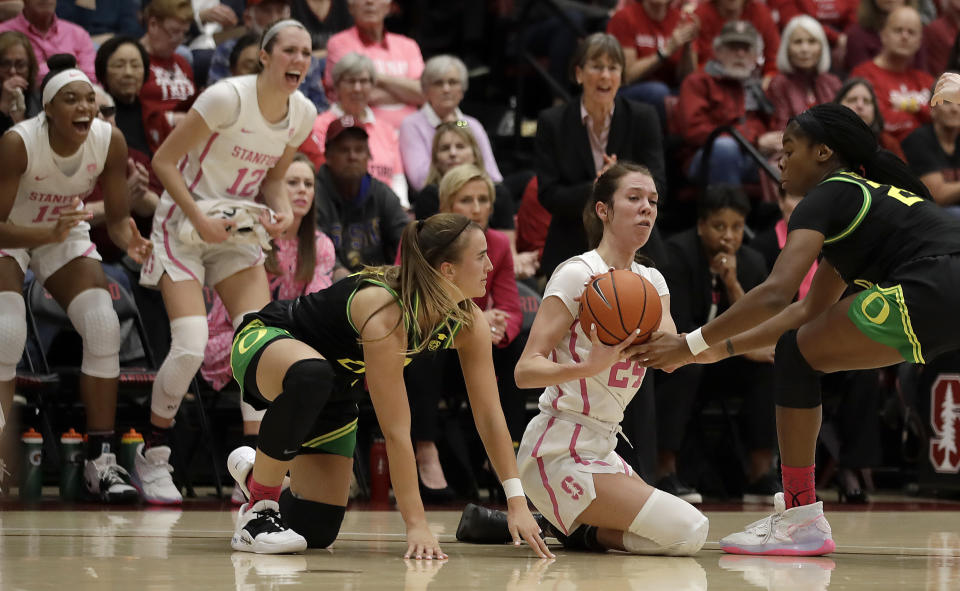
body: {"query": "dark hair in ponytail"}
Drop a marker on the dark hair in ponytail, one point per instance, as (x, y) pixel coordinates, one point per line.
(58, 63)
(855, 145)
(427, 303)
(603, 190)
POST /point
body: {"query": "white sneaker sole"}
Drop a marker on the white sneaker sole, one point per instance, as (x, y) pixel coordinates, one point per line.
(241, 542)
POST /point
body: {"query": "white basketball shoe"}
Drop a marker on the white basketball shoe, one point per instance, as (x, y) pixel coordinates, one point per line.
(108, 481)
(260, 530)
(152, 476)
(799, 531)
(239, 464)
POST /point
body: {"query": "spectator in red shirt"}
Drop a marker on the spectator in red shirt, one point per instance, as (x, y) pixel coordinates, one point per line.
(169, 90)
(834, 15)
(857, 94)
(938, 37)
(657, 41)
(713, 14)
(804, 79)
(863, 36)
(903, 92)
(728, 92)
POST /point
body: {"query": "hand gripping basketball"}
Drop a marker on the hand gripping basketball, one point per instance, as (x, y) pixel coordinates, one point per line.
(618, 303)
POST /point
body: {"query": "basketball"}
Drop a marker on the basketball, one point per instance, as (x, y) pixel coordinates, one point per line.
(618, 303)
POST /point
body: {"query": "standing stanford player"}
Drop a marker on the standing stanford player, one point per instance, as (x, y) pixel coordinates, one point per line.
(566, 459)
(50, 165)
(234, 144)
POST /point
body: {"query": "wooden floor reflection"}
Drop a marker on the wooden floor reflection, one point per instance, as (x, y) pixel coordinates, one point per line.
(159, 549)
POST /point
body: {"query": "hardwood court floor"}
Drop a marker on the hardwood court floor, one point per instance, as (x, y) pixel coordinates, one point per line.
(134, 549)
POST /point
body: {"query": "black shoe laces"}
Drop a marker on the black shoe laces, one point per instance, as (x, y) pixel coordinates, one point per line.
(114, 475)
(272, 517)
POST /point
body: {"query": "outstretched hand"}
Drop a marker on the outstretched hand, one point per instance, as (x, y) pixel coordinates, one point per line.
(523, 526)
(139, 248)
(422, 544)
(664, 350)
(946, 90)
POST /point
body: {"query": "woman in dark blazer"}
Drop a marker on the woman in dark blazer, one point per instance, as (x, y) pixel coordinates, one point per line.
(577, 140)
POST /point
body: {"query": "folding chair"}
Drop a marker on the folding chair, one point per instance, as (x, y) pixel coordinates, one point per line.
(41, 307)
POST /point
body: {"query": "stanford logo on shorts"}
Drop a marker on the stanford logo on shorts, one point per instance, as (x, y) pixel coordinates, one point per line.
(945, 419)
(570, 486)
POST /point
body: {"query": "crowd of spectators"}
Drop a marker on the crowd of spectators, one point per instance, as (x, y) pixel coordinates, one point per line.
(650, 82)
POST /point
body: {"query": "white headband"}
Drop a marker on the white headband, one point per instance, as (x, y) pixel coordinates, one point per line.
(61, 79)
(272, 31)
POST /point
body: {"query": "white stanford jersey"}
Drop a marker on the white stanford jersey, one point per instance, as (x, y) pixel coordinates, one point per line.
(605, 395)
(232, 162)
(44, 190)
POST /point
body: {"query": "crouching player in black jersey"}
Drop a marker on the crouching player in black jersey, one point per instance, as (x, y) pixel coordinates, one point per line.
(878, 230)
(305, 361)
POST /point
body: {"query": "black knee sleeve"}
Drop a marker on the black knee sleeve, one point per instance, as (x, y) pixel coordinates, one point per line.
(319, 523)
(306, 390)
(797, 384)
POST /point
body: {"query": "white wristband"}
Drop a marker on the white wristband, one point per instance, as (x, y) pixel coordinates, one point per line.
(696, 342)
(512, 488)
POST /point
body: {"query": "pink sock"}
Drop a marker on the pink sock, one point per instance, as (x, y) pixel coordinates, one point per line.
(260, 492)
(799, 485)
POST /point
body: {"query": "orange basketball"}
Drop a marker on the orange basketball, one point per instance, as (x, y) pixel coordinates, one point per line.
(618, 303)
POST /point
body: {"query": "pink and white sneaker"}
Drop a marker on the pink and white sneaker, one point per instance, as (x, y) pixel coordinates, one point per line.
(799, 531)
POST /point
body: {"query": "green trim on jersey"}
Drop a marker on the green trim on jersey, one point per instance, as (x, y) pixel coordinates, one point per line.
(340, 442)
(867, 200)
(248, 342)
(378, 283)
(881, 314)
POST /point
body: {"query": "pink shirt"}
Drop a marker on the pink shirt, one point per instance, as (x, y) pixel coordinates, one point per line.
(395, 55)
(384, 165)
(598, 142)
(62, 37)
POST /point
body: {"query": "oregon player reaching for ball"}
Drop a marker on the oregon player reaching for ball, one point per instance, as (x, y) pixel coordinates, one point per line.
(567, 460)
(305, 362)
(879, 232)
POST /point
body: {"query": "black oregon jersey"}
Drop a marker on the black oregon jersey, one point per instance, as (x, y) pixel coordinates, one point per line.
(322, 321)
(871, 229)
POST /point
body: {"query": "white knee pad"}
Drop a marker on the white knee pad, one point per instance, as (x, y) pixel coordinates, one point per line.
(667, 525)
(92, 314)
(188, 339)
(251, 414)
(13, 333)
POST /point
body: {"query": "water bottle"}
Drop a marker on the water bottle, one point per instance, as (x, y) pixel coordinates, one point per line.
(129, 444)
(379, 472)
(71, 470)
(31, 467)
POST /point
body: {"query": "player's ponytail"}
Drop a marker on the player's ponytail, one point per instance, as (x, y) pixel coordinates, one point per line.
(427, 298)
(856, 146)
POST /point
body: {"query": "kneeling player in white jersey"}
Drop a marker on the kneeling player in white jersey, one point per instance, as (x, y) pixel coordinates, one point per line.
(234, 144)
(51, 163)
(567, 460)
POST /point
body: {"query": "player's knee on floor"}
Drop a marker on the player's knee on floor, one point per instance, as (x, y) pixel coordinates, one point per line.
(188, 340)
(13, 333)
(92, 315)
(667, 525)
(306, 389)
(319, 523)
(797, 384)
